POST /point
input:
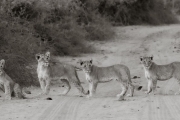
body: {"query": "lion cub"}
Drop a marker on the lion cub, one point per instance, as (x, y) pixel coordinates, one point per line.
(154, 72)
(118, 72)
(8, 85)
(48, 71)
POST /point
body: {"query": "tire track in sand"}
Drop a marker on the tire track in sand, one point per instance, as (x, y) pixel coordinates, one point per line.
(69, 110)
(54, 108)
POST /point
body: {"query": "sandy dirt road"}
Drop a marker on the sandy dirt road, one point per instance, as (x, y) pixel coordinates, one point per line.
(163, 42)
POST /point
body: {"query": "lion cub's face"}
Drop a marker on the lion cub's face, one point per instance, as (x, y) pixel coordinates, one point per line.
(86, 66)
(43, 59)
(146, 61)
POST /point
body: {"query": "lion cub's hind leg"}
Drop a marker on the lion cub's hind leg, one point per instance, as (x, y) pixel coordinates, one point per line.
(65, 83)
(131, 91)
(80, 89)
(154, 84)
(124, 91)
(18, 91)
(92, 89)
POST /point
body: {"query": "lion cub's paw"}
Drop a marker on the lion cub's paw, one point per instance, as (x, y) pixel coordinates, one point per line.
(118, 95)
(88, 96)
(129, 95)
(121, 98)
(7, 97)
(146, 92)
(177, 93)
(41, 94)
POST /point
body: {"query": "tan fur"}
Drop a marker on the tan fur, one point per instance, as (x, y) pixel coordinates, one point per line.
(154, 72)
(8, 85)
(95, 75)
(48, 71)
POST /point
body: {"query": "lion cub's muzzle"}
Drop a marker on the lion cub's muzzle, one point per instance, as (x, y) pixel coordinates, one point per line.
(46, 64)
(87, 71)
(147, 66)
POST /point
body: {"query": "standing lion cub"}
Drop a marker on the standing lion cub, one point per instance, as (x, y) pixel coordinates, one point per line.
(95, 75)
(154, 72)
(48, 71)
(8, 85)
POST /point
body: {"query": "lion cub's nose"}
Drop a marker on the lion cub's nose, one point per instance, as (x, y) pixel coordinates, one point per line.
(46, 64)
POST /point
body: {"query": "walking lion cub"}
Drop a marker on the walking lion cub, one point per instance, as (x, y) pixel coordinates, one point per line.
(154, 72)
(48, 71)
(8, 85)
(95, 75)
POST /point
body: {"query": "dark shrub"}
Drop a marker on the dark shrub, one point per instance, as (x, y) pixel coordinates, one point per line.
(24, 11)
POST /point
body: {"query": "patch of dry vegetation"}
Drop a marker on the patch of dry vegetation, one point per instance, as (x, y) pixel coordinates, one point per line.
(136, 12)
(30, 27)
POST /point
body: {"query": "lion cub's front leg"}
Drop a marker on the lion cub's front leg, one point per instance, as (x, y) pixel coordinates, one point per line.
(149, 89)
(154, 83)
(151, 86)
(92, 88)
(7, 91)
(42, 85)
(47, 87)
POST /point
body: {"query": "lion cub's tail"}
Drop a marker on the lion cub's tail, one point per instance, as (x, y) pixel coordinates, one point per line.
(136, 87)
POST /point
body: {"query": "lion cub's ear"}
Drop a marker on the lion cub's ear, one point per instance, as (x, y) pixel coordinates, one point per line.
(2, 63)
(47, 54)
(151, 57)
(91, 61)
(80, 62)
(141, 58)
(37, 56)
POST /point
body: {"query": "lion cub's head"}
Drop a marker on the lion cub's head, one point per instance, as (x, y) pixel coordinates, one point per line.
(43, 59)
(2, 63)
(86, 66)
(146, 61)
